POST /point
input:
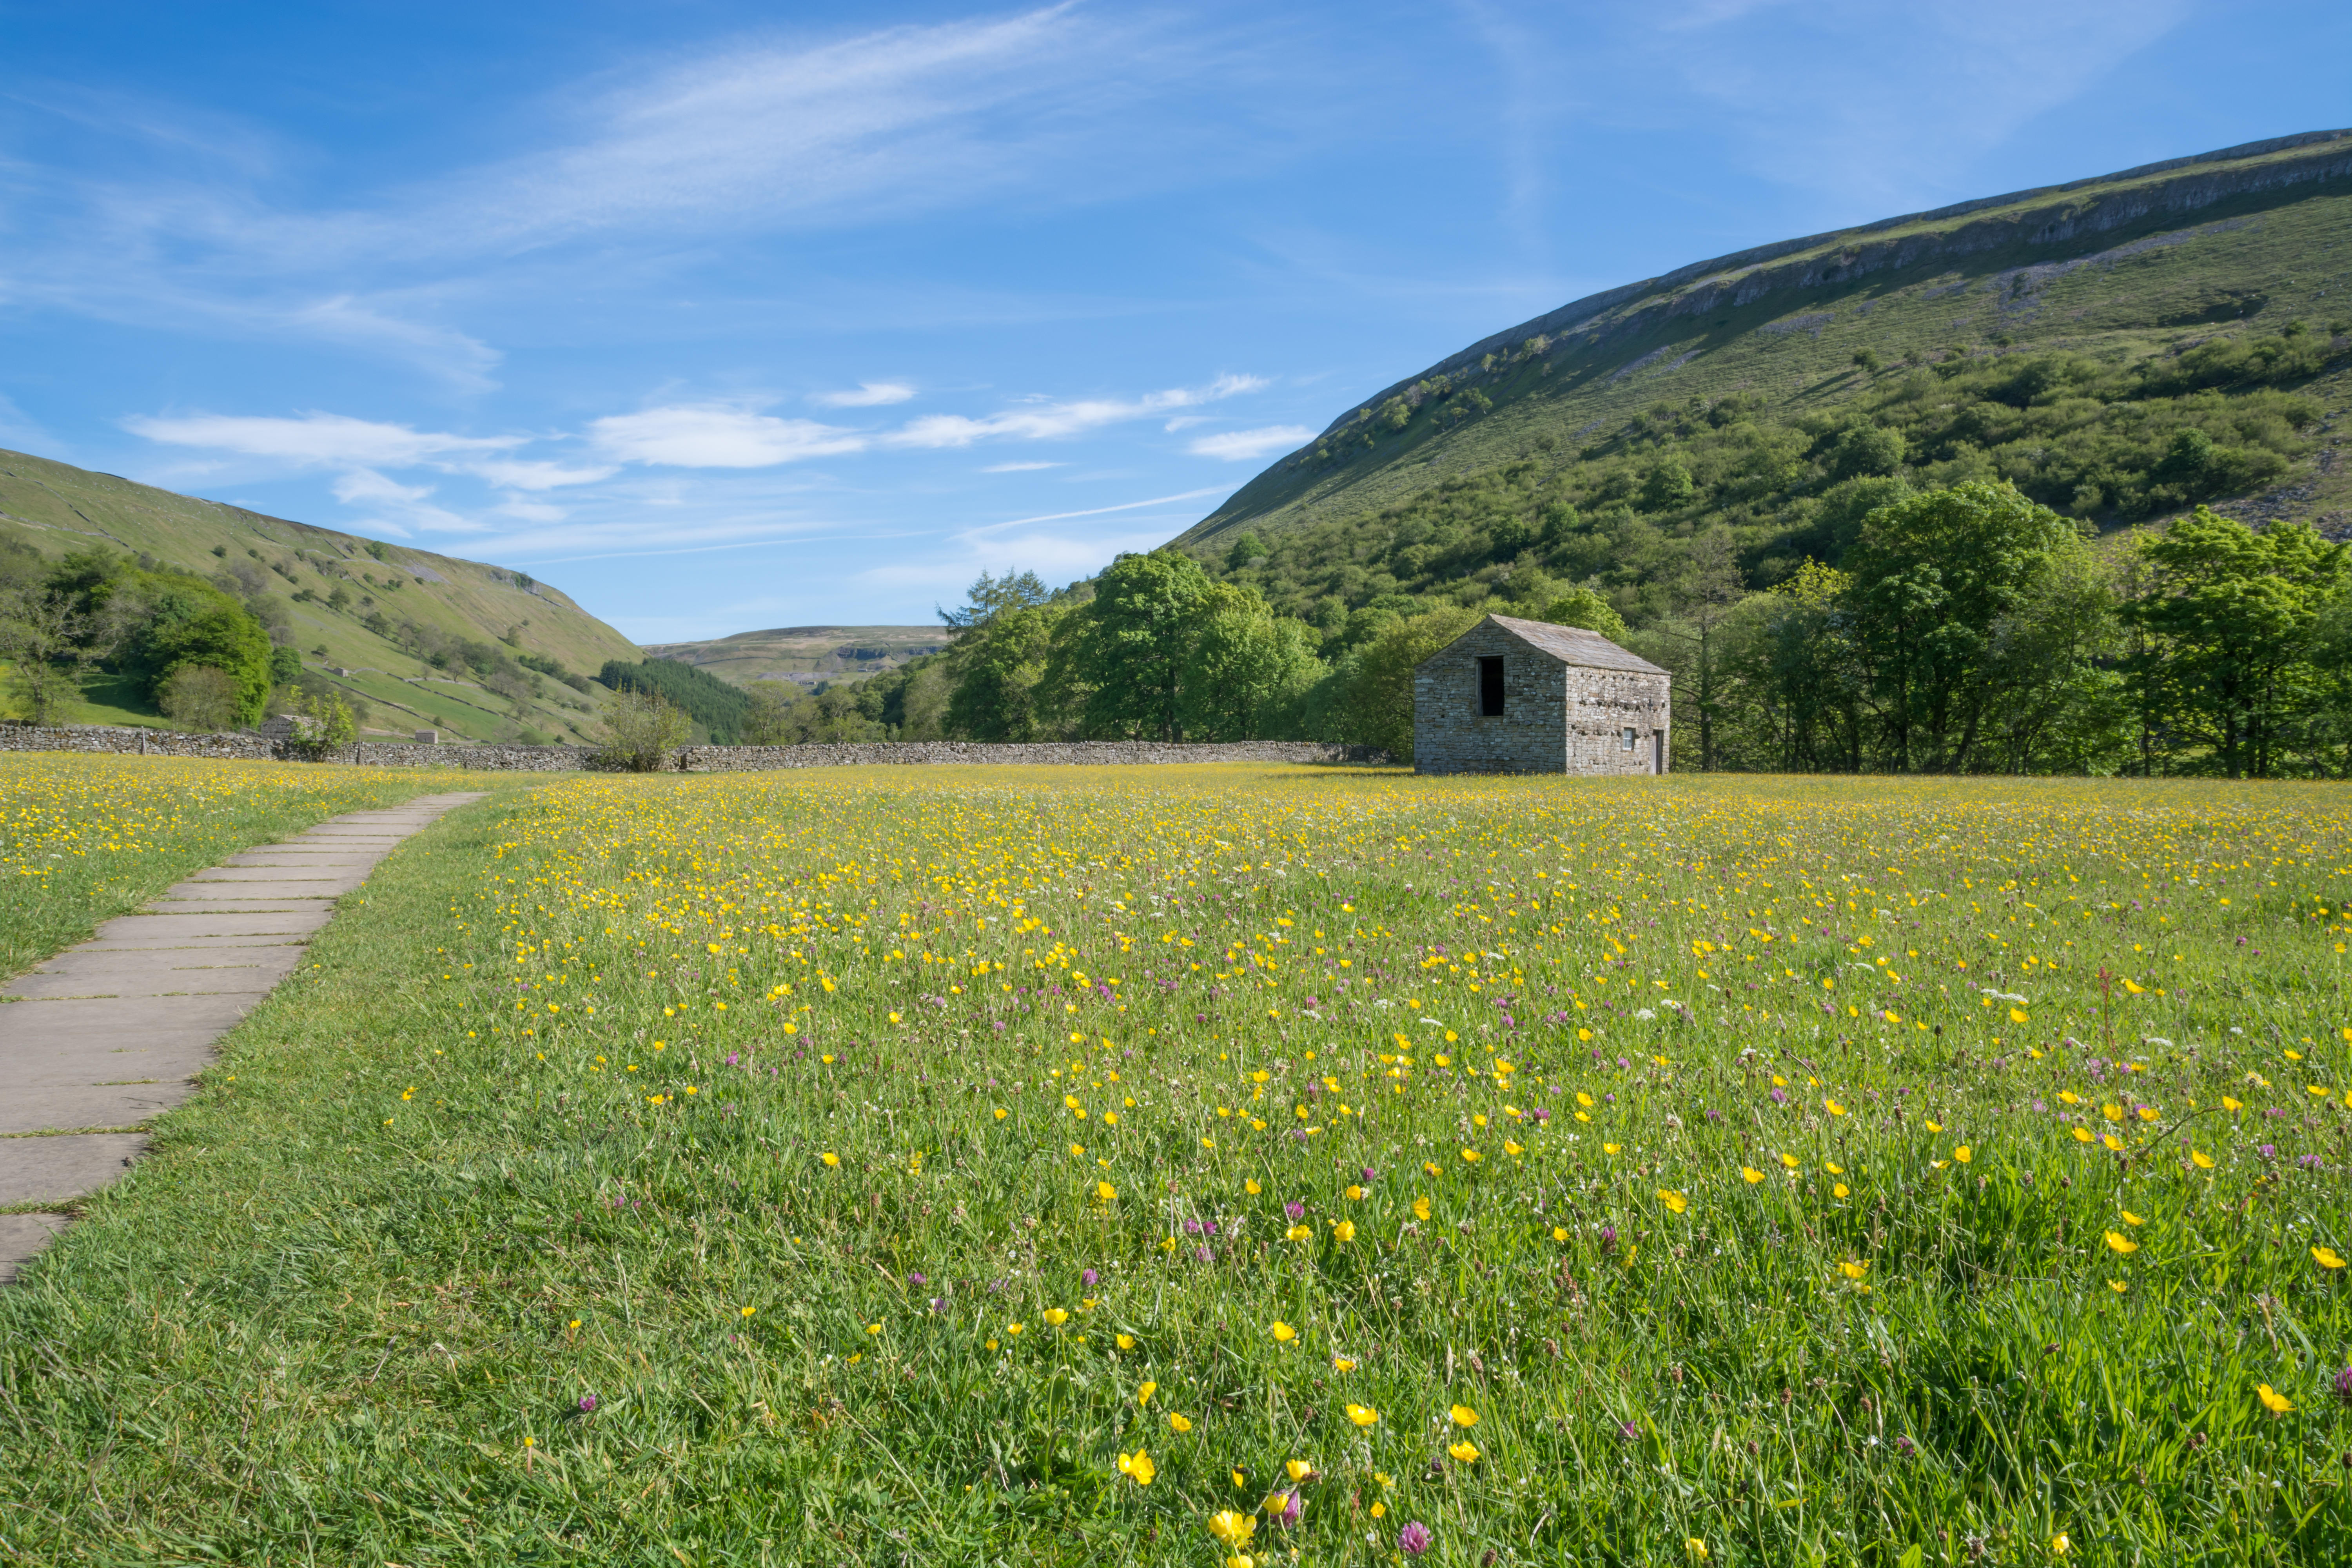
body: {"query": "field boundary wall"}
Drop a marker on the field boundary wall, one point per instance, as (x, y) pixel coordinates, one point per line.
(689, 759)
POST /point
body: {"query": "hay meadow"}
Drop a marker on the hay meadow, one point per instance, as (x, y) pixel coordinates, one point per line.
(1240, 1164)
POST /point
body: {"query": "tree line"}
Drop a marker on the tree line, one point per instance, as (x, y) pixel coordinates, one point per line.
(1969, 629)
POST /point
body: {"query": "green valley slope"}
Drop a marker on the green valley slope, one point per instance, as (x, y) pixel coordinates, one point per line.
(2101, 296)
(58, 508)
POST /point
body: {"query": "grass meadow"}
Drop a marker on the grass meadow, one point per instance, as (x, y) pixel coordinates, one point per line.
(1251, 1165)
(84, 839)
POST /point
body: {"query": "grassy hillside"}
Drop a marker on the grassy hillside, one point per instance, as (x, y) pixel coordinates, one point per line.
(293, 569)
(806, 655)
(2063, 338)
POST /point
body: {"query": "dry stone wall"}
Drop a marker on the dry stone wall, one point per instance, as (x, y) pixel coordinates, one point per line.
(692, 759)
(132, 738)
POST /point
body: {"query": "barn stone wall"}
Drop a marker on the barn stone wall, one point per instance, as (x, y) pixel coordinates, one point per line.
(1557, 718)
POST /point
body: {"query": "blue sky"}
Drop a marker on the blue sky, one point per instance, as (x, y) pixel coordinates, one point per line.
(722, 316)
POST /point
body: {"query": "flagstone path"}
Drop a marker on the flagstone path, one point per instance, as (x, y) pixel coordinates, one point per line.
(104, 1038)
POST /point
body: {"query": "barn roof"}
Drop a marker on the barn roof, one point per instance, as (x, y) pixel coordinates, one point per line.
(1574, 645)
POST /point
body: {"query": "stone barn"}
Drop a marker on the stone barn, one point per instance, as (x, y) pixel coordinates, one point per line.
(1526, 697)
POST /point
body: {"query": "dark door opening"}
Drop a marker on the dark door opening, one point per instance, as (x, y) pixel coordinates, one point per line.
(1490, 688)
(1657, 751)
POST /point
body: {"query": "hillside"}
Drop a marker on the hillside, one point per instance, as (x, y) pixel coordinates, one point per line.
(2120, 347)
(423, 637)
(806, 655)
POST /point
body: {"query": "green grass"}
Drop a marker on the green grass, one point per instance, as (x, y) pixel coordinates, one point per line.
(502, 1148)
(85, 838)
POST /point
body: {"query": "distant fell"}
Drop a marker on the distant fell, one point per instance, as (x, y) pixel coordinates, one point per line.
(806, 655)
(2115, 270)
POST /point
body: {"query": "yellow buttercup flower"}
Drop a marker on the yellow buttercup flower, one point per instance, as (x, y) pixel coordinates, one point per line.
(1137, 1465)
(2277, 1404)
(1464, 1415)
(1674, 1200)
(1057, 1316)
(2325, 1257)
(2121, 1243)
(2200, 1159)
(1143, 1396)
(1464, 1451)
(1234, 1529)
(1177, 1423)
(830, 1158)
(1283, 1332)
(1363, 1414)
(1853, 1270)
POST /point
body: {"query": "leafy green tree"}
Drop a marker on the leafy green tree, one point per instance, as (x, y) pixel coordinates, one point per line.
(1378, 709)
(192, 624)
(1132, 644)
(2232, 620)
(1248, 670)
(1866, 449)
(999, 666)
(1667, 486)
(990, 595)
(1246, 548)
(1935, 577)
(767, 718)
(1581, 607)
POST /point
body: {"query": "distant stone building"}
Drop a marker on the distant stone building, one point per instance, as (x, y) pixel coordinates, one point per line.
(1525, 697)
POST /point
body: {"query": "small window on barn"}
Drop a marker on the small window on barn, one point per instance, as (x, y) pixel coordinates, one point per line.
(1490, 688)
(1628, 738)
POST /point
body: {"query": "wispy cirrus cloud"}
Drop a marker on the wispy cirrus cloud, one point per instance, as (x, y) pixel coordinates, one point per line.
(322, 440)
(869, 395)
(1245, 445)
(1048, 420)
(707, 435)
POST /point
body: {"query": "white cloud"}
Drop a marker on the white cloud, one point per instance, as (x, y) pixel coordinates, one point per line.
(709, 435)
(1241, 446)
(1019, 468)
(397, 508)
(1044, 421)
(531, 511)
(869, 395)
(518, 475)
(326, 440)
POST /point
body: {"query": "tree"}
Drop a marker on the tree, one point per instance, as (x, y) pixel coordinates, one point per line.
(989, 595)
(1377, 708)
(1132, 646)
(193, 624)
(767, 718)
(41, 636)
(1932, 578)
(999, 693)
(1581, 607)
(2231, 616)
(1246, 548)
(1866, 449)
(198, 697)
(1667, 487)
(1703, 602)
(637, 731)
(1247, 672)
